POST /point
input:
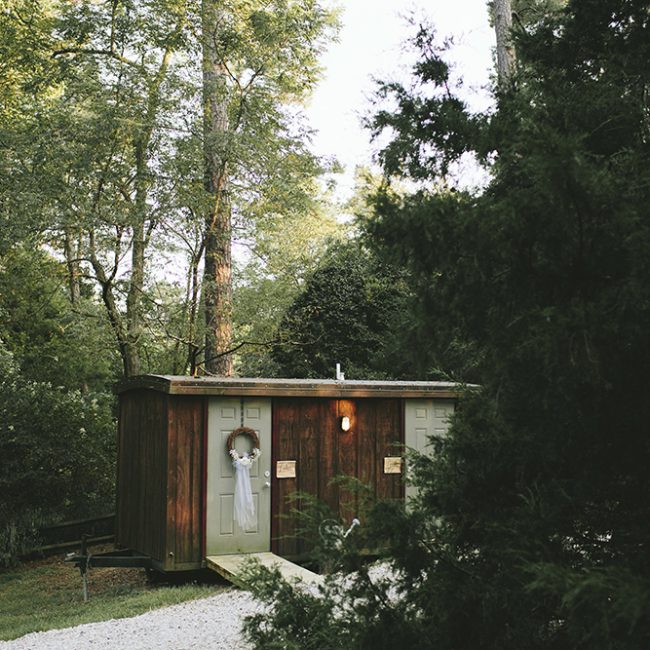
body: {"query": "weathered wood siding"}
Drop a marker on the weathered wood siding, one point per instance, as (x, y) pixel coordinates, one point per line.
(142, 476)
(159, 480)
(308, 431)
(185, 481)
(161, 486)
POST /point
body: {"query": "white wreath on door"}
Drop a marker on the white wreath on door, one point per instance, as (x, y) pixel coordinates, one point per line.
(244, 506)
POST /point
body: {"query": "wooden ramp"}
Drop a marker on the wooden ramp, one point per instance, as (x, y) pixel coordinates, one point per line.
(230, 566)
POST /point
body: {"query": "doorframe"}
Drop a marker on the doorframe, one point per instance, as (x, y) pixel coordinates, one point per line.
(205, 466)
(204, 480)
(273, 528)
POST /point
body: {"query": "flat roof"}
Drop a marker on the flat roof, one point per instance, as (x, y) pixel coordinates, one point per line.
(248, 387)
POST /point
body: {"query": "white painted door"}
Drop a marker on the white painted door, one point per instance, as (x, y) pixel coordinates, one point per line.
(223, 534)
(423, 419)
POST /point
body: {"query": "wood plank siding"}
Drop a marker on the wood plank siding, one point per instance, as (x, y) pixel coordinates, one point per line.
(185, 481)
(141, 479)
(159, 482)
(163, 466)
(308, 431)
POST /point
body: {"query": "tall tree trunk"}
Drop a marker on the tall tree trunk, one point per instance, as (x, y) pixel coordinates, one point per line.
(193, 292)
(138, 247)
(217, 276)
(143, 225)
(506, 56)
(134, 302)
(72, 256)
(114, 316)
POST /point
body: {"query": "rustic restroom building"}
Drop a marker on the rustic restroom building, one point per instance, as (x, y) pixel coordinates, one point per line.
(175, 483)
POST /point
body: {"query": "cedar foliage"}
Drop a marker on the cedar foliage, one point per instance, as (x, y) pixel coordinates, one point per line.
(532, 524)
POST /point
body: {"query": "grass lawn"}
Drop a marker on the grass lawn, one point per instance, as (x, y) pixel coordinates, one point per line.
(47, 594)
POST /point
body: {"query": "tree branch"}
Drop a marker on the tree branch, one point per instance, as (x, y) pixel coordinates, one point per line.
(110, 52)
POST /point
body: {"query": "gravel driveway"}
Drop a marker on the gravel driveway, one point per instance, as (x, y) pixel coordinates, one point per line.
(206, 624)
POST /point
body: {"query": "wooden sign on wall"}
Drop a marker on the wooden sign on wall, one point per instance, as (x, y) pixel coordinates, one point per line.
(392, 465)
(285, 469)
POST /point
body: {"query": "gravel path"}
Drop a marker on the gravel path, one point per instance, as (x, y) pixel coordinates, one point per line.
(212, 623)
(206, 624)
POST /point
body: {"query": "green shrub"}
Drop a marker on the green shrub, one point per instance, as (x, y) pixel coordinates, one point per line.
(58, 451)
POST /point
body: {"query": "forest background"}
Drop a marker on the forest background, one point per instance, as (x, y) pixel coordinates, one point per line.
(139, 139)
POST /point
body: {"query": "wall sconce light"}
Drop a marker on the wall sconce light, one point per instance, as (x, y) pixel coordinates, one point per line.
(345, 423)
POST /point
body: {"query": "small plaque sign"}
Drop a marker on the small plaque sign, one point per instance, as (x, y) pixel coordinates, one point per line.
(393, 465)
(285, 469)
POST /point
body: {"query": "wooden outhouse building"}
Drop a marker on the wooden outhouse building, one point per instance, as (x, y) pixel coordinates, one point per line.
(175, 483)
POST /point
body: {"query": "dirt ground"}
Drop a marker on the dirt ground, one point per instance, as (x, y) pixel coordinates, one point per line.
(63, 575)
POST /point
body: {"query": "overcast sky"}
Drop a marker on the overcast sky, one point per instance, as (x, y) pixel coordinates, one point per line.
(371, 44)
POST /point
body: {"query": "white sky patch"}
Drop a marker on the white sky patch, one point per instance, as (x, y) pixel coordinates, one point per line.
(372, 44)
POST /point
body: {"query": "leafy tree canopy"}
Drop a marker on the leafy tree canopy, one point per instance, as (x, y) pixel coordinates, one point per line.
(52, 340)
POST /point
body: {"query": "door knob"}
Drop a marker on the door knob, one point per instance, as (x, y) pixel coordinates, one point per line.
(267, 484)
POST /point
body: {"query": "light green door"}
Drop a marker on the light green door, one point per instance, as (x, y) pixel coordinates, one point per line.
(223, 534)
(423, 419)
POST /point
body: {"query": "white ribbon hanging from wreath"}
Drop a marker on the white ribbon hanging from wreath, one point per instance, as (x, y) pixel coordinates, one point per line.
(244, 506)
